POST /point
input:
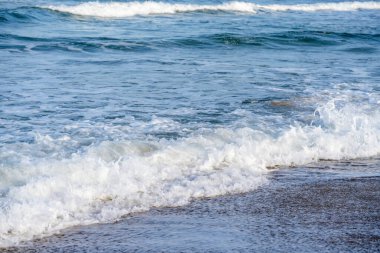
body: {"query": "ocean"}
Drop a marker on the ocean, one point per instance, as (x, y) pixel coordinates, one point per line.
(124, 119)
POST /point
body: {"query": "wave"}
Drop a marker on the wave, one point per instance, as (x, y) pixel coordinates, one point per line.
(41, 195)
(19, 14)
(260, 40)
(120, 10)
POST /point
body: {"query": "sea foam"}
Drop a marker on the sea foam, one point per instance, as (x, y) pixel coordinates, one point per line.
(128, 9)
(116, 178)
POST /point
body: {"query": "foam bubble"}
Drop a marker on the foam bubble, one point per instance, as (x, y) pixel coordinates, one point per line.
(120, 10)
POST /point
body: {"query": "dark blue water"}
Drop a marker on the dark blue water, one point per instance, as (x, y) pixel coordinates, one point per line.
(107, 108)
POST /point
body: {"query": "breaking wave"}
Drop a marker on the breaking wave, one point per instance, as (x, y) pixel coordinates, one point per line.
(120, 10)
(42, 195)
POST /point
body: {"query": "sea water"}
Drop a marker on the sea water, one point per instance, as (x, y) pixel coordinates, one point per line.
(110, 108)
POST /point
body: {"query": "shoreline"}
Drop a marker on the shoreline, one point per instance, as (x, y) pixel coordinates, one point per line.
(335, 207)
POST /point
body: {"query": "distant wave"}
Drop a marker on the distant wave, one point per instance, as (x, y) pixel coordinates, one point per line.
(314, 38)
(120, 10)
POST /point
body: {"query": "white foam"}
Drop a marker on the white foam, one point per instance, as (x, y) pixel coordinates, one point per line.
(128, 9)
(340, 6)
(42, 196)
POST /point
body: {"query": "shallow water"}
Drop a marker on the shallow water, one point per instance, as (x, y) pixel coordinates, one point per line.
(108, 109)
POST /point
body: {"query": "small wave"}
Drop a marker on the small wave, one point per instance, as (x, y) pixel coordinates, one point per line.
(305, 38)
(120, 10)
(361, 50)
(73, 44)
(265, 40)
(286, 38)
(8, 36)
(3, 19)
(21, 15)
(79, 46)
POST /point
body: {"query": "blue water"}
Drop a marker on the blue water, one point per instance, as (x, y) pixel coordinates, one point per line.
(117, 110)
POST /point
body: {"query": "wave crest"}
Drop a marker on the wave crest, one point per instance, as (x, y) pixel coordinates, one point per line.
(120, 10)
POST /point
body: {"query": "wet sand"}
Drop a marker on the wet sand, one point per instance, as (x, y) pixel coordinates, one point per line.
(331, 207)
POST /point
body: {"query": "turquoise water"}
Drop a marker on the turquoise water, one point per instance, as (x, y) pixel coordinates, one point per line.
(111, 108)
